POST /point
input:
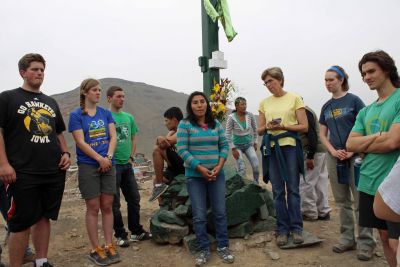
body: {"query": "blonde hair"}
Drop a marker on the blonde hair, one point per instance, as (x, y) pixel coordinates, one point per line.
(274, 72)
(85, 87)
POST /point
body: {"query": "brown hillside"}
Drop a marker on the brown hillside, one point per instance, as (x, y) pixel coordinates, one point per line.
(147, 103)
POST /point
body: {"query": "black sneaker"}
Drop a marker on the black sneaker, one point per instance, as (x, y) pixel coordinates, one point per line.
(157, 192)
(225, 254)
(122, 242)
(98, 256)
(141, 237)
(327, 217)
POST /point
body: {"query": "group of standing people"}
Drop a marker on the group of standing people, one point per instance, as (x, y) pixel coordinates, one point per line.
(296, 150)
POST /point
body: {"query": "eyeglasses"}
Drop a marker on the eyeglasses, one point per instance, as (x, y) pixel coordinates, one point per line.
(268, 82)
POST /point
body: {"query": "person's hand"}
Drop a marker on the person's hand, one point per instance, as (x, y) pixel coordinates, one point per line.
(349, 154)
(310, 164)
(340, 154)
(273, 126)
(105, 165)
(206, 173)
(235, 153)
(7, 173)
(65, 162)
(215, 171)
(162, 142)
(255, 147)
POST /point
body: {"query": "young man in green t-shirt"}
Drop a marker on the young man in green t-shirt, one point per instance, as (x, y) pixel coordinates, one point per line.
(126, 145)
(376, 133)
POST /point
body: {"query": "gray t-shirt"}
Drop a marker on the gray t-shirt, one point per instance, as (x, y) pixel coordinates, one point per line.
(339, 115)
(390, 188)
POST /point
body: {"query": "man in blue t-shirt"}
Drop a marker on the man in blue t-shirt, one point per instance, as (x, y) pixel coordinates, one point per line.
(376, 133)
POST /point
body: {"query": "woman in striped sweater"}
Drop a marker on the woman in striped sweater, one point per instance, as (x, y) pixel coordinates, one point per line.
(241, 133)
(202, 145)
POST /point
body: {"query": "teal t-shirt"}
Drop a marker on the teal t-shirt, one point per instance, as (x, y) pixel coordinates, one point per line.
(242, 139)
(126, 128)
(373, 119)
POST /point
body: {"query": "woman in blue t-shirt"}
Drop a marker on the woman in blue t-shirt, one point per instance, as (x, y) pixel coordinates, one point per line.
(94, 133)
(337, 118)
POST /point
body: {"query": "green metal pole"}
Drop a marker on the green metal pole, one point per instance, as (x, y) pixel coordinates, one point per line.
(210, 44)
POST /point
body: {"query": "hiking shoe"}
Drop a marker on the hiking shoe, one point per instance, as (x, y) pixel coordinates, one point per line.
(141, 237)
(298, 238)
(157, 192)
(122, 242)
(340, 248)
(29, 255)
(112, 254)
(365, 254)
(327, 217)
(281, 240)
(202, 257)
(225, 254)
(98, 256)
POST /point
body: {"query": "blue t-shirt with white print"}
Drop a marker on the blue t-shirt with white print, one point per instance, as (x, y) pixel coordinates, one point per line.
(339, 115)
(96, 132)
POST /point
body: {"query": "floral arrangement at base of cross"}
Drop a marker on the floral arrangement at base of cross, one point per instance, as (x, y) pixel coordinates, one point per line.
(220, 98)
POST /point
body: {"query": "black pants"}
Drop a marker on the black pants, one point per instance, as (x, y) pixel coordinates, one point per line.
(127, 182)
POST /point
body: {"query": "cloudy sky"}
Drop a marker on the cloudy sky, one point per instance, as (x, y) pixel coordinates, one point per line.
(158, 42)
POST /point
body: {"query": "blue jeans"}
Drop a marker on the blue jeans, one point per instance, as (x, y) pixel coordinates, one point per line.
(287, 212)
(127, 182)
(251, 155)
(199, 189)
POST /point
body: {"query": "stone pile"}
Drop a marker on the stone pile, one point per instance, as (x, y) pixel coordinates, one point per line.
(250, 209)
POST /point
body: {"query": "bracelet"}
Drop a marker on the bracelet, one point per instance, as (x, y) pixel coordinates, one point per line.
(66, 152)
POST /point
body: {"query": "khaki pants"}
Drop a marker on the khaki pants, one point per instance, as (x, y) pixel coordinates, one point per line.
(346, 199)
(314, 190)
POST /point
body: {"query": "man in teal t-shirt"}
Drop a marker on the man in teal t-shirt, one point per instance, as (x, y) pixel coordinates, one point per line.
(376, 133)
(126, 145)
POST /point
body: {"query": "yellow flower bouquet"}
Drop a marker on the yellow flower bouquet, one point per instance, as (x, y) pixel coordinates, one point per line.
(220, 97)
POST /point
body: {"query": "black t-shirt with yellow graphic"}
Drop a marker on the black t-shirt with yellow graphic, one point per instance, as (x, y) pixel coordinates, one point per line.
(31, 122)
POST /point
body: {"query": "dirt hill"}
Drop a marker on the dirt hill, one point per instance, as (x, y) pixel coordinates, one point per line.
(146, 102)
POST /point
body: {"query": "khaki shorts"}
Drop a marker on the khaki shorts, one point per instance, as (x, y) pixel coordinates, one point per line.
(92, 183)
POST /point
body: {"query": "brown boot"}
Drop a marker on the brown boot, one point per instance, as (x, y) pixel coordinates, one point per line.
(281, 240)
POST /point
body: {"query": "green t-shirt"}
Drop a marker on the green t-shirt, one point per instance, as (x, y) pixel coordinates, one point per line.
(126, 129)
(242, 139)
(372, 119)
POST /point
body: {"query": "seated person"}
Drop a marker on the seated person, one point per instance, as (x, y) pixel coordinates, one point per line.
(165, 150)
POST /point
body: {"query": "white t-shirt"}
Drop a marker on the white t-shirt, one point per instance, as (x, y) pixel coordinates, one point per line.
(390, 188)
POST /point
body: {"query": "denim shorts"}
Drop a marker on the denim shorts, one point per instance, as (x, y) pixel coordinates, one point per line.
(92, 182)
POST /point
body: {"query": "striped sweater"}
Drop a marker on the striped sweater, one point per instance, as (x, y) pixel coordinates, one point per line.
(198, 146)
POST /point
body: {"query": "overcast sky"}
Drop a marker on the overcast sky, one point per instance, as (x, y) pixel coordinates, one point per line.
(158, 42)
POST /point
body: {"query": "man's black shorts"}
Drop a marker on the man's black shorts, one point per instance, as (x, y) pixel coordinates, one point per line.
(367, 217)
(33, 197)
(176, 165)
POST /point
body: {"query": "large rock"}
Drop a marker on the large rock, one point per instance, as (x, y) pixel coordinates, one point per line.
(265, 225)
(182, 211)
(269, 201)
(309, 240)
(243, 203)
(241, 230)
(233, 181)
(170, 217)
(167, 233)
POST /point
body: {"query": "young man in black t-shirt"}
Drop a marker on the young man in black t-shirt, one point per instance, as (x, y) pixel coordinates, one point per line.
(33, 160)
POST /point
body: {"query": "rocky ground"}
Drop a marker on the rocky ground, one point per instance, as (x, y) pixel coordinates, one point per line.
(69, 243)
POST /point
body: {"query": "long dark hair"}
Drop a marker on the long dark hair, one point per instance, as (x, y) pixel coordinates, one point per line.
(385, 62)
(209, 119)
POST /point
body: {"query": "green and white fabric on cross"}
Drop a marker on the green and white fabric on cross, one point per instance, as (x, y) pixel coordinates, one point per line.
(221, 12)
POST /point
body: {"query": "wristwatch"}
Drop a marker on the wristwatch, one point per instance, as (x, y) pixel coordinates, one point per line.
(110, 157)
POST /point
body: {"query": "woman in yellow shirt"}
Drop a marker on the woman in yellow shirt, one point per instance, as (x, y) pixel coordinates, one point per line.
(282, 116)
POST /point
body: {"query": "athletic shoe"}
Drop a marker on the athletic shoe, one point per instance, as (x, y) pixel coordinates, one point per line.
(98, 256)
(281, 240)
(202, 258)
(225, 254)
(340, 248)
(327, 217)
(298, 238)
(365, 254)
(122, 242)
(112, 254)
(157, 192)
(141, 237)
